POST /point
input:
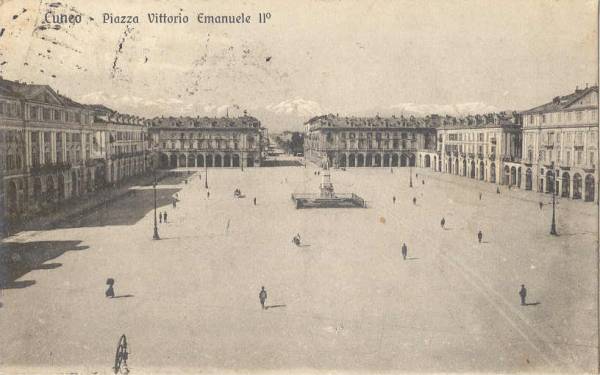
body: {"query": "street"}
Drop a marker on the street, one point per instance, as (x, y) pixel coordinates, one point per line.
(345, 299)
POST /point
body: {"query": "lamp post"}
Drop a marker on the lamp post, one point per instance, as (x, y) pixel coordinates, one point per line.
(205, 174)
(155, 236)
(553, 225)
(242, 160)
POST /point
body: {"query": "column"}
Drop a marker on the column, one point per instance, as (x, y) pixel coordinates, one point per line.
(53, 146)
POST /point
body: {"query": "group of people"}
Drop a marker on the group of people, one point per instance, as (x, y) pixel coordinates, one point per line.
(162, 217)
(237, 193)
(296, 240)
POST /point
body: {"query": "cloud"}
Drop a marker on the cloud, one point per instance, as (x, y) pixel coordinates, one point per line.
(296, 107)
(459, 109)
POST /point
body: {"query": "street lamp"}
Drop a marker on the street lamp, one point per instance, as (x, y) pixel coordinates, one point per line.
(205, 174)
(553, 225)
(155, 236)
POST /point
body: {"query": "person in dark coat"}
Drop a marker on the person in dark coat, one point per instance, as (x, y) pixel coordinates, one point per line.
(497, 190)
(415, 201)
(262, 296)
(423, 181)
(523, 294)
(479, 236)
(165, 217)
(443, 222)
(394, 199)
(404, 251)
(110, 292)
(479, 196)
(160, 217)
(541, 205)
(254, 200)
(207, 194)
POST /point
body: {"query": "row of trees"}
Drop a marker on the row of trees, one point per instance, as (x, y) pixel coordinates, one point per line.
(290, 142)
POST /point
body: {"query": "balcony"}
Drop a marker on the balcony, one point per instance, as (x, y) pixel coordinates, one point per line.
(50, 168)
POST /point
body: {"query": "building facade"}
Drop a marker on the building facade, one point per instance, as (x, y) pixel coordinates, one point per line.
(208, 142)
(560, 146)
(369, 142)
(52, 150)
(481, 147)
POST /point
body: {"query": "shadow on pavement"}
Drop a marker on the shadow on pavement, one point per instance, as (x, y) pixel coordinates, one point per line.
(281, 163)
(125, 210)
(532, 304)
(18, 259)
(273, 306)
(124, 296)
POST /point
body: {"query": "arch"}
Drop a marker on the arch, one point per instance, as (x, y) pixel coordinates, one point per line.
(566, 184)
(191, 161)
(209, 160)
(342, 160)
(427, 161)
(403, 160)
(481, 171)
(218, 161)
(73, 184)
(61, 186)
(163, 160)
(386, 160)
(472, 169)
(227, 160)
(173, 161)
(513, 175)
(369, 160)
(250, 160)
(37, 188)
(549, 181)
(493, 173)
(50, 189)
(352, 160)
(377, 162)
(589, 188)
(411, 160)
(519, 177)
(360, 160)
(11, 195)
(236, 160)
(528, 179)
(200, 160)
(576, 186)
(456, 166)
(394, 160)
(182, 160)
(506, 176)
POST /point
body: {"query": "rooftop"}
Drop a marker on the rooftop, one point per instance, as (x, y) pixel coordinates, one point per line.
(206, 122)
(561, 102)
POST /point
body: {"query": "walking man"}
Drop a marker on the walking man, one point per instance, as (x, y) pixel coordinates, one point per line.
(165, 217)
(160, 217)
(404, 250)
(479, 196)
(415, 201)
(541, 205)
(262, 296)
(523, 294)
(479, 236)
(254, 200)
(443, 222)
(207, 194)
(394, 199)
(110, 292)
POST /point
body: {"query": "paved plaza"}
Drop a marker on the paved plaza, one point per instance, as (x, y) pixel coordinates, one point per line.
(344, 300)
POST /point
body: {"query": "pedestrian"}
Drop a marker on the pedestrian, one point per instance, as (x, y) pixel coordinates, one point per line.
(423, 182)
(541, 205)
(174, 203)
(110, 292)
(207, 194)
(523, 294)
(404, 251)
(497, 190)
(394, 199)
(414, 201)
(165, 217)
(254, 200)
(417, 175)
(479, 196)
(262, 296)
(479, 236)
(160, 217)
(443, 222)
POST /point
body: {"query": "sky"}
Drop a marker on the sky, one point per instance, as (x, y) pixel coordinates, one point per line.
(309, 58)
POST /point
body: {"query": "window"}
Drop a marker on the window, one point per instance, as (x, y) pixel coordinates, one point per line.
(594, 115)
(578, 115)
(592, 160)
(531, 120)
(568, 158)
(543, 119)
(33, 112)
(579, 154)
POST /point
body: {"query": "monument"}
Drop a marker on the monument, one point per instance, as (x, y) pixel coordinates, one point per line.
(327, 198)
